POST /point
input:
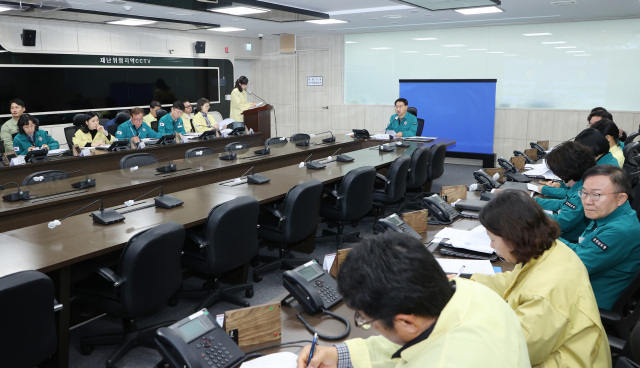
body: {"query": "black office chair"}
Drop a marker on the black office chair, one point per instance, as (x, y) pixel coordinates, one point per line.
(288, 225)
(121, 118)
(69, 132)
(627, 351)
(79, 119)
(112, 129)
(351, 200)
(413, 111)
(391, 188)
(300, 138)
(436, 164)
(237, 147)
(27, 319)
(624, 315)
(632, 161)
(154, 125)
(198, 151)
(47, 176)
(229, 240)
(13, 136)
(137, 159)
(160, 113)
(420, 127)
(276, 140)
(148, 276)
(103, 121)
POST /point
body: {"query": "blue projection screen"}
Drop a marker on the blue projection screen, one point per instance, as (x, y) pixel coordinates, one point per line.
(463, 110)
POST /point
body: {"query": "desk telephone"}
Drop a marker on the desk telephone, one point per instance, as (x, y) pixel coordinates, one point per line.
(361, 133)
(511, 172)
(197, 342)
(541, 151)
(527, 159)
(440, 210)
(484, 178)
(395, 223)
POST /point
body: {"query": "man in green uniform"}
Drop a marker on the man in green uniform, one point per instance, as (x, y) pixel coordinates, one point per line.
(402, 122)
(10, 127)
(172, 123)
(135, 129)
(610, 246)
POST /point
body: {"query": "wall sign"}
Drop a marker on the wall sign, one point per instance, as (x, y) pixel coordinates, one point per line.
(314, 81)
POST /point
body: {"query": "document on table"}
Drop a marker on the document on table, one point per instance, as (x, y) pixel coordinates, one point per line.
(54, 152)
(381, 136)
(533, 188)
(477, 241)
(276, 360)
(390, 132)
(150, 140)
(420, 139)
(470, 266)
(328, 261)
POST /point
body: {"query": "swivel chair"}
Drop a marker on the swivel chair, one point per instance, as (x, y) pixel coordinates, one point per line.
(436, 164)
(121, 118)
(413, 111)
(47, 176)
(351, 200)
(198, 151)
(69, 133)
(289, 224)
(78, 120)
(392, 187)
(229, 240)
(137, 159)
(627, 351)
(632, 162)
(624, 315)
(416, 178)
(148, 276)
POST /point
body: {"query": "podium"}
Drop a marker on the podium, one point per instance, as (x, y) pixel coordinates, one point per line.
(259, 119)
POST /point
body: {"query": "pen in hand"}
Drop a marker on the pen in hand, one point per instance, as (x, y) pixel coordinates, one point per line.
(313, 348)
(460, 272)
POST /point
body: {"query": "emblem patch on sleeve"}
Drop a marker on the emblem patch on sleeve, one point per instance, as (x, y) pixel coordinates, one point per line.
(599, 243)
(570, 205)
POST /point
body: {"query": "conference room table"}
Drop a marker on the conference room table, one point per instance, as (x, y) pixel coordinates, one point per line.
(78, 238)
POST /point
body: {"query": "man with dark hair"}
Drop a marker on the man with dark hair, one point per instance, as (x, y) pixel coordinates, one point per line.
(597, 115)
(151, 116)
(610, 246)
(396, 286)
(172, 123)
(10, 127)
(135, 129)
(402, 122)
(186, 116)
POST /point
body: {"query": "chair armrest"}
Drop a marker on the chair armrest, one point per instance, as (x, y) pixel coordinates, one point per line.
(609, 317)
(57, 307)
(330, 192)
(275, 212)
(197, 238)
(383, 178)
(107, 273)
(616, 344)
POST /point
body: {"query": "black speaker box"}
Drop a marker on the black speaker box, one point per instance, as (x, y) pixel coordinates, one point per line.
(200, 45)
(28, 37)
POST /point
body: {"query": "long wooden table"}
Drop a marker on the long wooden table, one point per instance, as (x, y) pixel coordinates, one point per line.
(37, 247)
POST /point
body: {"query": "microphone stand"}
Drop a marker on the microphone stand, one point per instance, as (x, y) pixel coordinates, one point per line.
(162, 201)
(83, 183)
(20, 194)
(168, 168)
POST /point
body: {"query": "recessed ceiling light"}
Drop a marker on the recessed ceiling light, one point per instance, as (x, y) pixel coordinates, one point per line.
(409, 52)
(350, 42)
(483, 10)
(433, 54)
(583, 55)
(381, 48)
(116, 2)
(566, 47)
(239, 10)
(4, 9)
(570, 52)
(234, 20)
(552, 43)
(226, 29)
(495, 52)
(393, 16)
(476, 49)
(131, 22)
(454, 45)
(424, 39)
(536, 34)
(326, 21)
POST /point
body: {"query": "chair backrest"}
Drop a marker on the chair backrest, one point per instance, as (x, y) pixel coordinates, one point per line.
(420, 127)
(397, 178)
(79, 119)
(154, 125)
(47, 176)
(631, 137)
(419, 168)
(198, 151)
(231, 232)
(103, 121)
(237, 146)
(276, 140)
(121, 118)
(13, 135)
(69, 132)
(436, 161)
(355, 193)
(26, 312)
(137, 159)
(413, 111)
(112, 129)
(631, 154)
(151, 265)
(298, 137)
(301, 209)
(160, 113)
(216, 116)
(626, 307)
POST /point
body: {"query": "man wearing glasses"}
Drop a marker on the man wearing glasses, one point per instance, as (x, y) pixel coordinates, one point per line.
(610, 246)
(396, 287)
(135, 128)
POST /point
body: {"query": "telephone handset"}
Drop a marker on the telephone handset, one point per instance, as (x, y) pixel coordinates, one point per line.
(541, 151)
(484, 178)
(395, 223)
(440, 210)
(312, 287)
(526, 158)
(361, 133)
(506, 165)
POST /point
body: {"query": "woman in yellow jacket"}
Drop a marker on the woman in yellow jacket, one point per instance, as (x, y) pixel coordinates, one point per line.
(239, 100)
(202, 120)
(92, 134)
(549, 287)
(608, 128)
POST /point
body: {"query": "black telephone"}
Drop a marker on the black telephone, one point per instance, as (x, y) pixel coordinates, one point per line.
(440, 210)
(395, 223)
(541, 151)
(361, 133)
(196, 342)
(37, 156)
(526, 158)
(167, 139)
(511, 172)
(507, 166)
(312, 287)
(484, 178)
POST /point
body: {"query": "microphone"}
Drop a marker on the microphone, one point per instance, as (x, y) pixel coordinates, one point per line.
(264, 151)
(402, 143)
(342, 158)
(275, 117)
(230, 156)
(20, 194)
(327, 140)
(162, 201)
(101, 216)
(314, 165)
(169, 168)
(255, 178)
(385, 148)
(84, 183)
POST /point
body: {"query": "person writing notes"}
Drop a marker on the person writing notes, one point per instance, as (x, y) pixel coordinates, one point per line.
(396, 287)
(31, 137)
(548, 289)
(403, 122)
(203, 121)
(172, 123)
(92, 134)
(239, 100)
(135, 128)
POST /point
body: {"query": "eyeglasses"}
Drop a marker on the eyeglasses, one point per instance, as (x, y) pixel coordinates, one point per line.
(361, 322)
(136, 120)
(593, 196)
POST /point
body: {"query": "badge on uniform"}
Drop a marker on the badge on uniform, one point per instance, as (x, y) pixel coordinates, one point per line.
(405, 123)
(161, 124)
(599, 243)
(570, 205)
(144, 129)
(39, 138)
(16, 149)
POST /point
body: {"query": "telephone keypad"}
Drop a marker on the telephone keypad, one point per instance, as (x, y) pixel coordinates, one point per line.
(328, 294)
(217, 356)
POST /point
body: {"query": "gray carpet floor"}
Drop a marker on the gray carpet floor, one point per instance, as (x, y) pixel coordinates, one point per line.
(265, 291)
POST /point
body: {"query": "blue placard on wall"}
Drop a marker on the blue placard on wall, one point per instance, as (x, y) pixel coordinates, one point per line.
(462, 110)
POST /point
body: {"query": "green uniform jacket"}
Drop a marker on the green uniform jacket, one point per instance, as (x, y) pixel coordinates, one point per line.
(408, 125)
(610, 249)
(561, 192)
(9, 128)
(21, 144)
(167, 125)
(475, 329)
(570, 213)
(127, 130)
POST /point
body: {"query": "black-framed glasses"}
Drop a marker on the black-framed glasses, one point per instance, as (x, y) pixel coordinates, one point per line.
(594, 196)
(361, 322)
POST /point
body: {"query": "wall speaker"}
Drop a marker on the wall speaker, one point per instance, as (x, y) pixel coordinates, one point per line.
(200, 46)
(28, 37)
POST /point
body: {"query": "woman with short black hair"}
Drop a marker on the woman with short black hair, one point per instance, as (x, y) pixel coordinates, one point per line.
(611, 132)
(30, 136)
(92, 134)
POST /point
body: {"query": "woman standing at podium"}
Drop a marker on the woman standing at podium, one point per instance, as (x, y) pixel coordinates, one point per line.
(239, 100)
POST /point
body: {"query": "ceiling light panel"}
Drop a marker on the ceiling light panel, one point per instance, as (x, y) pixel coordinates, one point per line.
(4, 9)
(132, 22)
(483, 10)
(326, 21)
(451, 4)
(226, 29)
(240, 10)
(424, 39)
(553, 43)
(536, 34)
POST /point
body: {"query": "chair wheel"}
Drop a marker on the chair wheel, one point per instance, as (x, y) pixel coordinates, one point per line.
(249, 293)
(172, 302)
(255, 263)
(86, 349)
(257, 278)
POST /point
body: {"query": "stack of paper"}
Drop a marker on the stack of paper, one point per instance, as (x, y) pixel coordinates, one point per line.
(541, 171)
(470, 266)
(276, 360)
(476, 240)
(381, 136)
(420, 139)
(54, 152)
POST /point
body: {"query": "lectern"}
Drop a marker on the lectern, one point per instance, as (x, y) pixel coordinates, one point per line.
(259, 119)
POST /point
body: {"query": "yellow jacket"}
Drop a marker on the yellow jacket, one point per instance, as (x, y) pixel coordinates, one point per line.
(238, 105)
(200, 124)
(149, 118)
(81, 139)
(475, 329)
(617, 152)
(186, 122)
(553, 299)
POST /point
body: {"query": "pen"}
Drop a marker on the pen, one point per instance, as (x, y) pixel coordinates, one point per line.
(313, 347)
(461, 269)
